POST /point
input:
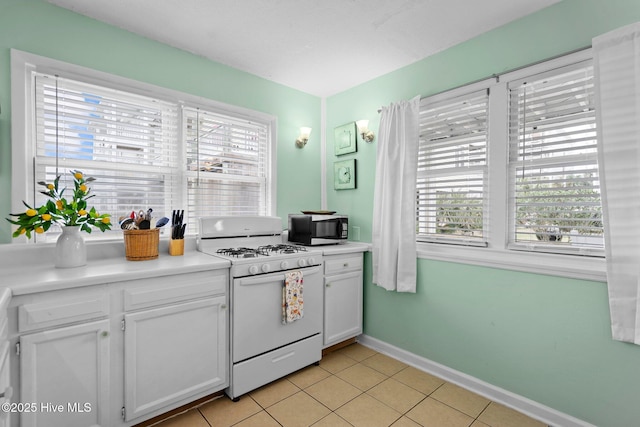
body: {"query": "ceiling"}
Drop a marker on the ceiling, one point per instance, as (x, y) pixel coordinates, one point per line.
(321, 47)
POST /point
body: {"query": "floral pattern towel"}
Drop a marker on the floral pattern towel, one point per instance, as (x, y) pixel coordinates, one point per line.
(292, 301)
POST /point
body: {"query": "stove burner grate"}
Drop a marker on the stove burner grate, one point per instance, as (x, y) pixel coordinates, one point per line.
(282, 249)
(242, 252)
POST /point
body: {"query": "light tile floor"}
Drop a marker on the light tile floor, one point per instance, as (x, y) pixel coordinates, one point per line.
(355, 386)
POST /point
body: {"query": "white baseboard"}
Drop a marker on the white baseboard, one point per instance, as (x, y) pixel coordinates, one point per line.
(521, 404)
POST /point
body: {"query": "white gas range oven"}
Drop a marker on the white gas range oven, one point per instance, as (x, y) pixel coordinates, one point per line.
(264, 345)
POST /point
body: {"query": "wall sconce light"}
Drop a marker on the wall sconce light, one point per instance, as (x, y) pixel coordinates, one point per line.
(304, 137)
(363, 129)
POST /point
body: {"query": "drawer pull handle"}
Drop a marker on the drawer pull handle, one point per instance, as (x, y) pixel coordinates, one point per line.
(283, 357)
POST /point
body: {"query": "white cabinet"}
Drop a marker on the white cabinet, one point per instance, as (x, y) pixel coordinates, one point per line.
(115, 354)
(64, 372)
(342, 297)
(174, 351)
(64, 358)
(6, 391)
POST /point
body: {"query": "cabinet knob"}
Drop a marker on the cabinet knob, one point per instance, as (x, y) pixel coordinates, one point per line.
(328, 285)
(346, 264)
(104, 334)
(223, 306)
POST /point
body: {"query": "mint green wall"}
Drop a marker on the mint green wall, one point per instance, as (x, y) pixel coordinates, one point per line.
(38, 27)
(542, 337)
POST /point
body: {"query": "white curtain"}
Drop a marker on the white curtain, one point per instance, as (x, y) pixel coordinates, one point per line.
(617, 79)
(394, 200)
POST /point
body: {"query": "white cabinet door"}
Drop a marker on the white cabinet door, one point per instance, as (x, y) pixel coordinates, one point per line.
(6, 390)
(64, 374)
(174, 352)
(342, 307)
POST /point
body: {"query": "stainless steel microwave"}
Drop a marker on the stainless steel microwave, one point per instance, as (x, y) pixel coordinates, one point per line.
(311, 230)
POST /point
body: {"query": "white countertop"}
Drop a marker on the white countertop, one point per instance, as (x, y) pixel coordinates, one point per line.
(345, 248)
(27, 270)
(5, 297)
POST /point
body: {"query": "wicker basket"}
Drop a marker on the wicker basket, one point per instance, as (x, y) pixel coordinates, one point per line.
(141, 245)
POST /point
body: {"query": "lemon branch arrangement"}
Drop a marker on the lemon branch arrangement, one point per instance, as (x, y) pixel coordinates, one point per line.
(60, 210)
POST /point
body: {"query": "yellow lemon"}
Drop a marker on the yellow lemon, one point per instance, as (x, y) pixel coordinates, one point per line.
(31, 212)
(23, 230)
(77, 175)
(51, 186)
(83, 188)
(106, 220)
(46, 217)
(59, 204)
(82, 212)
(39, 230)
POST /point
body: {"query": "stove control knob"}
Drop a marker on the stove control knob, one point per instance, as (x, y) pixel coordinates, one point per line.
(253, 269)
(312, 261)
(302, 262)
(265, 268)
(284, 265)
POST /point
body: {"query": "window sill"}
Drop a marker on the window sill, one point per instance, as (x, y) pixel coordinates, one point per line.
(570, 266)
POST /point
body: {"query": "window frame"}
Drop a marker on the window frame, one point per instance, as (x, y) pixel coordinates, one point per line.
(456, 95)
(23, 64)
(497, 254)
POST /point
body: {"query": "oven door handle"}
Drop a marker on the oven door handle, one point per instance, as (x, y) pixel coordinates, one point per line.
(259, 280)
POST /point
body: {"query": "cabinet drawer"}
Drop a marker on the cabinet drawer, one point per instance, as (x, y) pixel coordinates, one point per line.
(172, 289)
(270, 366)
(58, 312)
(342, 264)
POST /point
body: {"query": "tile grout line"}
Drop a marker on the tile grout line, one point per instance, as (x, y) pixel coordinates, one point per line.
(379, 370)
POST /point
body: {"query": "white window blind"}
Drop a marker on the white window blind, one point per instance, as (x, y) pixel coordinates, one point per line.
(555, 192)
(452, 170)
(227, 164)
(125, 141)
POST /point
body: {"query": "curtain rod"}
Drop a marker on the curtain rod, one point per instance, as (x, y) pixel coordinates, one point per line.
(497, 75)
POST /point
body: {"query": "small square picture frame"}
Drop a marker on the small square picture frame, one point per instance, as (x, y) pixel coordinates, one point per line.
(344, 174)
(346, 138)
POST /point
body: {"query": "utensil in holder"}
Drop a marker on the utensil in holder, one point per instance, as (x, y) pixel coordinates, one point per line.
(141, 245)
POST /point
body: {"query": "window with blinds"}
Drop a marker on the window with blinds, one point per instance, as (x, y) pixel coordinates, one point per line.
(126, 141)
(555, 192)
(452, 170)
(227, 164)
(145, 152)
